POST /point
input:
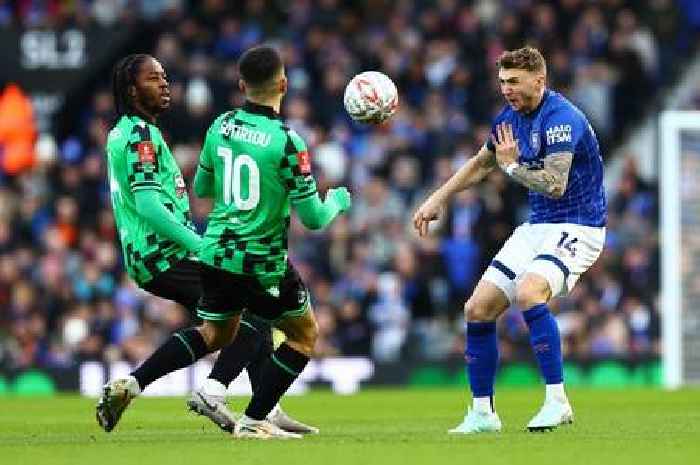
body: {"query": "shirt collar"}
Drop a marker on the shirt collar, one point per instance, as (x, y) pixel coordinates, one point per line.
(264, 110)
(137, 118)
(534, 112)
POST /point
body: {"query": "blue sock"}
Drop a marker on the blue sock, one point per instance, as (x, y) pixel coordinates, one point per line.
(546, 342)
(481, 355)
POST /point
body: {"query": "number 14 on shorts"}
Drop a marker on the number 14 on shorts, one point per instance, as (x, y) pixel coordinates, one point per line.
(567, 244)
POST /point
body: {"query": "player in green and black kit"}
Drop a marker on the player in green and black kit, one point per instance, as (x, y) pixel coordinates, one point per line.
(256, 168)
(151, 208)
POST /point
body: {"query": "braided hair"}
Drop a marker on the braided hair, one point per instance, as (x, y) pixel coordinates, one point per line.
(123, 76)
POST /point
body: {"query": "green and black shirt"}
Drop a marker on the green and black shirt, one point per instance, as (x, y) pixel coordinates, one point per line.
(258, 166)
(138, 159)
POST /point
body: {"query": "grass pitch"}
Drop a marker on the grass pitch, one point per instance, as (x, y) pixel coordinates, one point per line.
(374, 427)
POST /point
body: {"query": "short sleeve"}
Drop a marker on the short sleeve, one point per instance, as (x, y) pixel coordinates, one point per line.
(295, 168)
(142, 159)
(562, 130)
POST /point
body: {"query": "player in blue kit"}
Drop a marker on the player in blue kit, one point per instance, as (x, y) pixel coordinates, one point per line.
(542, 141)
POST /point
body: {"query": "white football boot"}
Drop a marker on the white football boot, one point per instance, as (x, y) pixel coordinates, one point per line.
(248, 428)
(214, 408)
(279, 418)
(115, 398)
(478, 422)
(552, 414)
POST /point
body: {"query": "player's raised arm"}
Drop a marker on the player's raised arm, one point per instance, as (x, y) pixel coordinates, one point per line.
(473, 171)
(295, 169)
(551, 180)
(317, 214)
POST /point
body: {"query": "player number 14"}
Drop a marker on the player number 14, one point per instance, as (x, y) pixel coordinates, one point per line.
(232, 179)
(567, 243)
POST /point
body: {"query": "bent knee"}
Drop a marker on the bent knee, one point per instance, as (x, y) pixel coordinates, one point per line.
(223, 339)
(486, 303)
(217, 337)
(305, 339)
(219, 340)
(309, 338)
(478, 310)
(532, 292)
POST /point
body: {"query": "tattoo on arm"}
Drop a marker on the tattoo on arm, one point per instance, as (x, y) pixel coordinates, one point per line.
(487, 159)
(551, 180)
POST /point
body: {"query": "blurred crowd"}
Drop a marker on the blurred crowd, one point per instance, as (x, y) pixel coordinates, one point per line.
(377, 289)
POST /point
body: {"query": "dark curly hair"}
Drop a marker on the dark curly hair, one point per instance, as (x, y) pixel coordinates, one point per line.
(123, 76)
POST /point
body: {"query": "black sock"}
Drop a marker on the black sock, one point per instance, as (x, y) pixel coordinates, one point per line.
(237, 355)
(260, 358)
(280, 371)
(182, 349)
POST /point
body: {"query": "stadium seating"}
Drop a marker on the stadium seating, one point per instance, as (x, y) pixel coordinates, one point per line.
(61, 280)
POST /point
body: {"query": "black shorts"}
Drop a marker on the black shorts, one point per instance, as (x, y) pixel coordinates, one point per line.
(227, 294)
(182, 283)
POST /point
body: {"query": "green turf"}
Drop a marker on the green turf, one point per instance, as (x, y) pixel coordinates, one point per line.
(375, 427)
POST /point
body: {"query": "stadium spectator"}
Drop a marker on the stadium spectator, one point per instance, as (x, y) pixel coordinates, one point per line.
(17, 130)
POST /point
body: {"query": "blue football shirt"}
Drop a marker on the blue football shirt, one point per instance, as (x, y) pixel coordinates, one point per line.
(556, 125)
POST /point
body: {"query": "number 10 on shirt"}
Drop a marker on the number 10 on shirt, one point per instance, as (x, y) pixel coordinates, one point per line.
(233, 175)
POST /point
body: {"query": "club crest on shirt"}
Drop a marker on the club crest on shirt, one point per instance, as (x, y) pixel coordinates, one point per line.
(146, 151)
(304, 162)
(180, 187)
(535, 140)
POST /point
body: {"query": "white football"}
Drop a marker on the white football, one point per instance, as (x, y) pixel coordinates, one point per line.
(371, 97)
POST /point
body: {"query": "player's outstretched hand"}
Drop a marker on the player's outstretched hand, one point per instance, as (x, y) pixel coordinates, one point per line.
(429, 211)
(341, 197)
(506, 145)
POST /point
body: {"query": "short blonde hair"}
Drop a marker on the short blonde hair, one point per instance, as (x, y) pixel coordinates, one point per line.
(527, 58)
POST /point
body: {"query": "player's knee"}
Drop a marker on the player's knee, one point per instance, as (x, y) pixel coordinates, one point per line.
(217, 339)
(530, 293)
(224, 337)
(477, 310)
(209, 335)
(304, 339)
(218, 336)
(310, 336)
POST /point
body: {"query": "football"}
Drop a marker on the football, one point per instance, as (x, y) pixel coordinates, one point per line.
(371, 97)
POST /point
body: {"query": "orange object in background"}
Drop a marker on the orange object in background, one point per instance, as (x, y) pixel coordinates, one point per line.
(17, 130)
